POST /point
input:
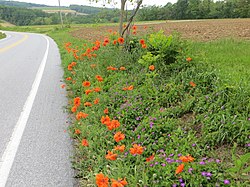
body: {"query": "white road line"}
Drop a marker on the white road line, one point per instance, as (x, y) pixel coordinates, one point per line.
(11, 149)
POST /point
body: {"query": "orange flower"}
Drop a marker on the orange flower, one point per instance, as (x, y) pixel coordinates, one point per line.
(115, 42)
(151, 158)
(111, 156)
(77, 101)
(111, 68)
(105, 120)
(134, 32)
(122, 68)
(151, 68)
(70, 67)
(73, 63)
(144, 46)
(131, 87)
(136, 150)
(179, 169)
(97, 89)
(188, 59)
(96, 101)
(106, 111)
(134, 27)
(125, 88)
(93, 65)
(115, 124)
(120, 40)
(63, 86)
(68, 78)
(87, 104)
(77, 131)
(118, 183)
(106, 40)
(99, 78)
(86, 83)
(120, 148)
(81, 115)
(119, 136)
(97, 43)
(101, 180)
(74, 109)
(142, 41)
(87, 92)
(192, 84)
(85, 142)
(187, 158)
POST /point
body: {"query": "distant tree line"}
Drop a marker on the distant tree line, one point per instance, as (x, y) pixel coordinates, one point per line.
(197, 9)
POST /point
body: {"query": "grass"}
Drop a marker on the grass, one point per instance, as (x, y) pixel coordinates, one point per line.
(2, 35)
(230, 57)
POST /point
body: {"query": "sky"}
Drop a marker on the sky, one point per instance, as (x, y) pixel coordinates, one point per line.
(86, 2)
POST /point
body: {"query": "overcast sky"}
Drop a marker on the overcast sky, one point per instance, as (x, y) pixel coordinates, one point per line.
(86, 2)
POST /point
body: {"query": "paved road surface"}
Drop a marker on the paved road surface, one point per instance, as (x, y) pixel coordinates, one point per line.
(34, 148)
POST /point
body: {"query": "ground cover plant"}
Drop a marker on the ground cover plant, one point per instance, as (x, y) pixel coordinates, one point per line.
(147, 111)
(2, 35)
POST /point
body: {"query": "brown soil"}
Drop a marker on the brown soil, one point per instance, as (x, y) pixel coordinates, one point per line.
(198, 30)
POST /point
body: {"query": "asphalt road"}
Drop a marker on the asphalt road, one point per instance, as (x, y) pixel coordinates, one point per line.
(35, 150)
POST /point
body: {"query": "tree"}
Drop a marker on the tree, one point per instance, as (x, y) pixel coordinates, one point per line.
(122, 13)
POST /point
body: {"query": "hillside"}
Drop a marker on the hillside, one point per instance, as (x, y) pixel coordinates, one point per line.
(20, 4)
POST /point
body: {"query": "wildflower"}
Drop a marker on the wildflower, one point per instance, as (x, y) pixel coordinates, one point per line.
(74, 109)
(142, 41)
(63, 86)
(86, 83)
(97, 89)
(115, 124)
(151, 68)
(93, 65)
(99, 78)
(122, 68)
(85, 142)
(134, 32)
(68, 78)
(73, 63)
(77, 101)
(111, 156)
(119, 136)
(87, 104)
(131, 87)
(188, 59)
(187, 158)
(101, 180)
(77, 131)
(134, 27)
(144, 46)
(120, 148)
(105, 120)
(136, 149)
(226, 181)
(151, 158)
(81, 115)
(106, 40)
(70, 67)
(118, 183)
(179, 169)
(120, 40)
(96, 101)
(87, 92)
(115, 42)
(106, 111)
(192, 84)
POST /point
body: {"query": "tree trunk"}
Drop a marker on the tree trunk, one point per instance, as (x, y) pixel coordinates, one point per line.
(123, 2)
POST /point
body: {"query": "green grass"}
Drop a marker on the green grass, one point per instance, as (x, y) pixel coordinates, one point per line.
(230, 57)
(2, 35)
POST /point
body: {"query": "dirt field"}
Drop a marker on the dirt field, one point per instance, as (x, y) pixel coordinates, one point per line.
(199, 30)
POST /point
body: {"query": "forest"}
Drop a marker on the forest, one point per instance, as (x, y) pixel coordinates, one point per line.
(16, 14)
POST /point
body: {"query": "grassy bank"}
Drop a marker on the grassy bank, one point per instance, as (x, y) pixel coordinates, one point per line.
(183, 122)
(163, 113)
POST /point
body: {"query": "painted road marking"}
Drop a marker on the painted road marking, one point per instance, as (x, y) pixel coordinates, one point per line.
(12, 146)
(14, 44)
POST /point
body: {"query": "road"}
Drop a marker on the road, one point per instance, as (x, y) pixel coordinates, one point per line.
(35, 149)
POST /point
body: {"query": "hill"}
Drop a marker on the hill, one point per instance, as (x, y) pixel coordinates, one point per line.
(20, 4)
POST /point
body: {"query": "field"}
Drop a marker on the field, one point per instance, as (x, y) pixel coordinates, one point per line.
(64, 10)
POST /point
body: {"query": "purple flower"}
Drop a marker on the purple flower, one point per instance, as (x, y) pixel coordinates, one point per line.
(190, 170)
(171, 154)
(248, 145)
(156, 163)
(209, 174)
(179, 155)
(137, 118)
(183, 184)
(180, 180)
(193, 144)
(151, 165)
(163, 164)
(217, 161)
(151, 124)
(202, 163)
(138, 136)
(203, 173)
(226, 181)
(248, 119)
(174, 185)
